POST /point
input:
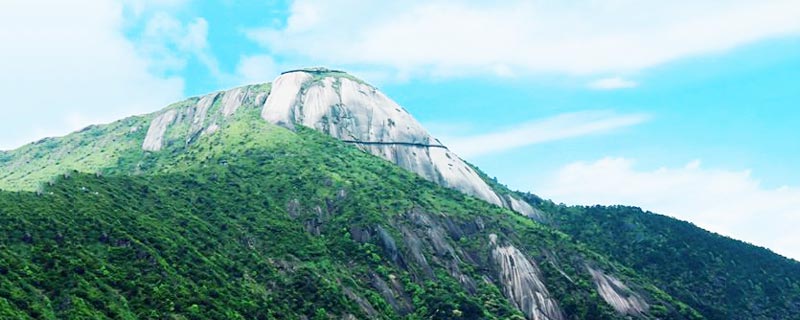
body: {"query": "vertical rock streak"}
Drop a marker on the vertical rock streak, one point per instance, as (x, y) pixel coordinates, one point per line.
(232, 100)
(522, 284)
(197, 117)
(617, 294)
(155, 134)
(200, 113)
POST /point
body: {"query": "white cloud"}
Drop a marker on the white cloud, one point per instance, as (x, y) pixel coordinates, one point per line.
(65, 65)
(169, 43)
(140, 6)
(612, 84)
(732, 203)
(443, 37)
(256, 69)
(559, 127)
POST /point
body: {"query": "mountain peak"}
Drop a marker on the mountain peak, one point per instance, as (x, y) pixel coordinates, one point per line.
(330, 101)
(335, 103)
(249, 178)
(341, 106)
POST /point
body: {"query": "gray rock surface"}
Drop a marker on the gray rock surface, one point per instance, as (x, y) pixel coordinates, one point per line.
(522, 283)
(232, 100)
(158, 127)
(198, 117)
(347, 109)
(521, 207)
(356, 112)
(200, 113)
(617, 294)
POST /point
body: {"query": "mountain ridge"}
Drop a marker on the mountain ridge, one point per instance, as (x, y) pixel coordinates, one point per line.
(383, 230)
(332, 102)
(399, 236)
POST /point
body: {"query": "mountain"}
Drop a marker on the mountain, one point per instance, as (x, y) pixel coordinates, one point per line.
(316, 196)
(329, 101)
(720, 277)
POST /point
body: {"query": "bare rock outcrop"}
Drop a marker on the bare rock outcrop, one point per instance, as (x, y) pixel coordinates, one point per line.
(522, 283)
(202, 117)
(521, 206)
(343, 107)
(358, 113)
(158, 127)
(617, 294)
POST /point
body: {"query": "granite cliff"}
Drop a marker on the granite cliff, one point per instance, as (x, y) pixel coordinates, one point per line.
(345, 108)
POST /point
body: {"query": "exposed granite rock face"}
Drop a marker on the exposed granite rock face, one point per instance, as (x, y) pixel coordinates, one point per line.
(356, 112)
(202, 117)
(279, 107)
(414, 244)
(232, 100)
(200, 113)
(388, 243)
(394, 295)
(617, 294)
(158, 127)
(343, 107)
(521, 207)
(522, 283)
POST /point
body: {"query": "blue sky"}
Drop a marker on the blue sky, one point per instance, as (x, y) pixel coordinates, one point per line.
(687, 108)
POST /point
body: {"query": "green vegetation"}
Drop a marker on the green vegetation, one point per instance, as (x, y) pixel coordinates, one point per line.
(256, 221)
(261, 222)
(103, 148)
(88, 150)
(720, 277)
(319, 73)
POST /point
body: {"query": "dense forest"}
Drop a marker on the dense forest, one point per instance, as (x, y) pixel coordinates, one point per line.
(228, 216)
(300, 226)
(721, 277)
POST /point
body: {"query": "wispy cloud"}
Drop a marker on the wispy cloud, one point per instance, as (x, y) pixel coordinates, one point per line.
(170, 43)
(559, 127)
(72, 58)
(732, 203)
(256, 69)
(612, 84)
(446, 38)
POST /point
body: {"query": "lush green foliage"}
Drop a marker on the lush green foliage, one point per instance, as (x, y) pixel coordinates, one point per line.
(261, 222)
(98, 148)
(721, 277)
(258, 222)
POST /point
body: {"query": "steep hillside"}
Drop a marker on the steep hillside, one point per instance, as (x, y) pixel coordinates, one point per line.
(721, 277)
(262, 222)
(317, 196)
(98, 148)
(330, 101)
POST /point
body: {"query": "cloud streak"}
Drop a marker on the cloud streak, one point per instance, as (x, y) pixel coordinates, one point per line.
(444, 38)
(731, 203)
(559, 127)
(612, 84)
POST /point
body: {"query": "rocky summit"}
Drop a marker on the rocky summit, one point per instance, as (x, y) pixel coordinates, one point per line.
(350, 110)
(318, 197)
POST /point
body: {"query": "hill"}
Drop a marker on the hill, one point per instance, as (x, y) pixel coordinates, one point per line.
(316, 196)
(722, 278)
(282, 224)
